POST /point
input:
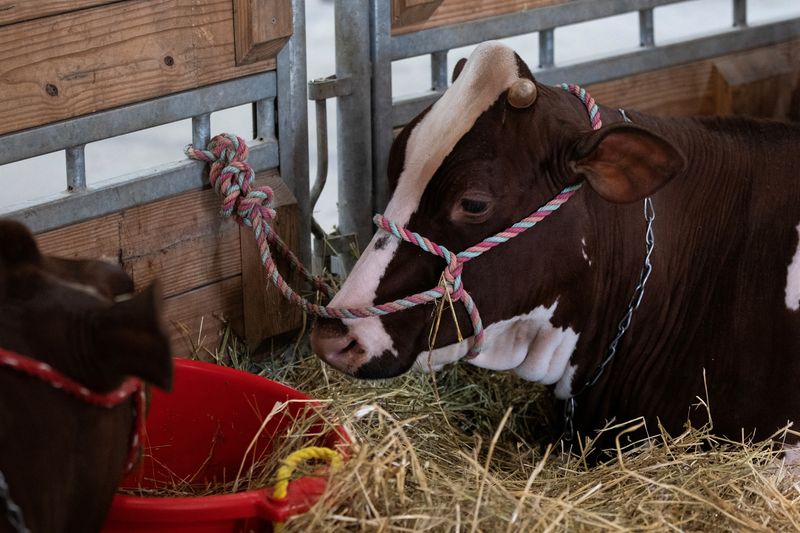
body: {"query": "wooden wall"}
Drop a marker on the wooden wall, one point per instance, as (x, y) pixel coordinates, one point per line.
(206, 264)
(62, 59)
(761, 82)
(75, 62)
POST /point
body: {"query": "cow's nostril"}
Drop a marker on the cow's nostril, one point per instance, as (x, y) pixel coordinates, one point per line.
(352, 345)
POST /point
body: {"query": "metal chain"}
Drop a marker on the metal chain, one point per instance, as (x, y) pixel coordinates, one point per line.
(624, 324)
(13, 511)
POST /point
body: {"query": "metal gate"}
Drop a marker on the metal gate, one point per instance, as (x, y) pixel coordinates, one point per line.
(366, 48)
(279, 140)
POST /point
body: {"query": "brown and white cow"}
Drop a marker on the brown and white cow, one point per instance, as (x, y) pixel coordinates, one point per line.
(62, 458)
(723, 298)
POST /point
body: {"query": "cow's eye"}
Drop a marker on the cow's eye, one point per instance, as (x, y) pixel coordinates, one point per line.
(474, 207)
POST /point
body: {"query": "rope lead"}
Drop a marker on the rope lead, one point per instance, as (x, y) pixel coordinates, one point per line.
(232, 177)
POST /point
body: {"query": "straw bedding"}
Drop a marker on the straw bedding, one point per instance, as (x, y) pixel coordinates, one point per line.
(470, 450)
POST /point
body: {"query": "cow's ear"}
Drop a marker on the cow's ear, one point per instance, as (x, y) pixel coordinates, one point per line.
(458, 68)
(624, 163)
(17, 245)
(131, 338)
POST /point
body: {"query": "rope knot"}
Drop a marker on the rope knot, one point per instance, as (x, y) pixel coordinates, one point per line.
(232, 177)
(452, 277)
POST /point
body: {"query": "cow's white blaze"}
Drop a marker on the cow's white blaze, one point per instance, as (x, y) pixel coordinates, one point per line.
(793, 279)
(489, 71)
(529, 345)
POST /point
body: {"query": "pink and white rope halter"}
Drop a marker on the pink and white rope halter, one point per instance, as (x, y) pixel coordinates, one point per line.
(57, 380)
(232, 177)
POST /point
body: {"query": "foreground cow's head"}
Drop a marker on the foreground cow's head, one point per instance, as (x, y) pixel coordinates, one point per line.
(63, 458)
(487, 154)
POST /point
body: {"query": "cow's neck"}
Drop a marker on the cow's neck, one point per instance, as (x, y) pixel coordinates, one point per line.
(703, 218)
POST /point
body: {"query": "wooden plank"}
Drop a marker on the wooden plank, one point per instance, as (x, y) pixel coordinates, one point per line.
(77, 63)
(196, 318)
(93, 239)
(190, 263)
(457, 11)
(260, 28)
(757, 84)
(164, 224)
(684, 90)
(266, 312)
(12, 11)
(408, 12)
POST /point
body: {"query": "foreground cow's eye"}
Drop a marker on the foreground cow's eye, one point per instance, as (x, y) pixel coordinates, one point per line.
(474, 207)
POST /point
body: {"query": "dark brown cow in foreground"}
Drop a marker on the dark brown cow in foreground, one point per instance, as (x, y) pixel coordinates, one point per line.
(62, 459)
(723, 300)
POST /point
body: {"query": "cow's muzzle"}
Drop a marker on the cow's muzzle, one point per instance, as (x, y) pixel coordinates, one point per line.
(333, 343)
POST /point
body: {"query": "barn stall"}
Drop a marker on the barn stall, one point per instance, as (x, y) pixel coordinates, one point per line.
(439, 453)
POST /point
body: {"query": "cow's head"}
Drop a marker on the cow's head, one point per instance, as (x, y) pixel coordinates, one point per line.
(492, 150)
(79, 316)
(61, 456)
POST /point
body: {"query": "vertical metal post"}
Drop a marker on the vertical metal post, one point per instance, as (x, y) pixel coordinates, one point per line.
(381, 28)
(354, 126)
(646, 28)
(201, 130)
(740, 13)
(76, 168)
(264, 122)
(439, 70)
(293, 122)
(547, 48)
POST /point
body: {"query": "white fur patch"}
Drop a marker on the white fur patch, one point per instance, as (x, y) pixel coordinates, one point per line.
(792, 455)
(583, 252)
(86, 289)
(793, 280)
(564, 385)
(528, 344)
(489, 71)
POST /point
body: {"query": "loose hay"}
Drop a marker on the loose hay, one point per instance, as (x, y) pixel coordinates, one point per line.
(469, 451)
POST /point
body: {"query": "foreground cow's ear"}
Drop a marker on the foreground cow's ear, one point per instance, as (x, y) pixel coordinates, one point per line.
(625, 163)
(458, 68)
(17, 245)
(131, 336)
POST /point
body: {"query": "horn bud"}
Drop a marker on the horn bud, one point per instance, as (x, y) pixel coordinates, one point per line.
(522, 93)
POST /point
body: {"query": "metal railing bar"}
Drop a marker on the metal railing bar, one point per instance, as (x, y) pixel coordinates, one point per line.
(519, 23)
(406, 107)
(292, 125)
(104, 124)
(740, 12)
(201, 130)
(646, 28)
(439, 70)
(354, 124)
(75, 157)
(381, 89)
(123, 192)
(265, 118)
(642, 60)
(547, 48)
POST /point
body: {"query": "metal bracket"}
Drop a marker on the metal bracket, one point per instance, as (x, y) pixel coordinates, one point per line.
(327, 245)
(329, 87)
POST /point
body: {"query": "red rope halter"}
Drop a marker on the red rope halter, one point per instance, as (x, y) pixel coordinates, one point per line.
(57, 380)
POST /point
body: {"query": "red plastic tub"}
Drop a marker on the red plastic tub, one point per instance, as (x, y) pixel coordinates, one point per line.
(201, 432)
